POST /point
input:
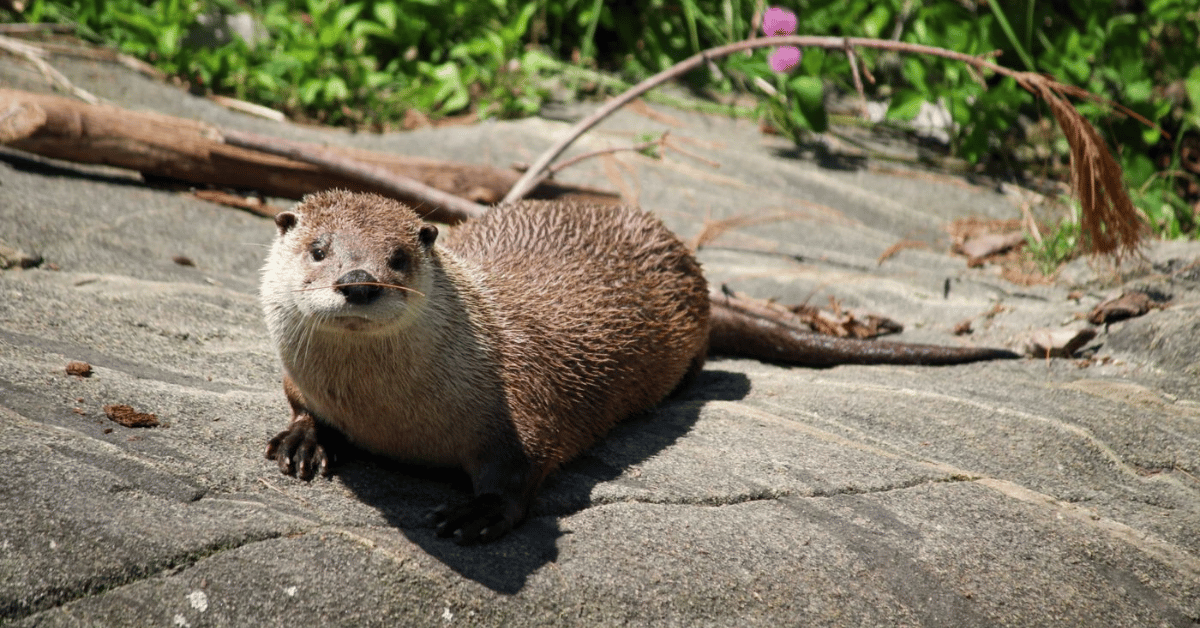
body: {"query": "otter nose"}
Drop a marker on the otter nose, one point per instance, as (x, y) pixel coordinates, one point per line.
(359, 287)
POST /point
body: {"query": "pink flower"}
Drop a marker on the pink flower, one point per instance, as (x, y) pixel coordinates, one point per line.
(777, 21)
(784, 58)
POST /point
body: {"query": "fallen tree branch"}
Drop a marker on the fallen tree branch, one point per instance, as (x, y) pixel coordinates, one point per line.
(1111, 223)
(192, 151)
(456, 209)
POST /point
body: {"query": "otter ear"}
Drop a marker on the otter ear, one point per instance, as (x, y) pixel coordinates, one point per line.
(428, 235)
(285, 221)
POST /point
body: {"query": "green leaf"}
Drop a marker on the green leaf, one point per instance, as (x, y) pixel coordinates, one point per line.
(387, 14)
(335, 89)
(363, 29)
(345, 16)
(1192, 84)
(879, 18)
(811, 61)
(309, 90)
(452, 93)
(1138, 168)
(905, 105)
(168, 40)
(136, 21)
(515, 29)
(35, 12)
(920, 30)
(328, 37)
(1138, 91)
(960, 110)
(264, 80)
(914, 71)
(808, 98)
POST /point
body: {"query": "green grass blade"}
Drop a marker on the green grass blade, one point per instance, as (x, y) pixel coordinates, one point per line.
(1012, 37)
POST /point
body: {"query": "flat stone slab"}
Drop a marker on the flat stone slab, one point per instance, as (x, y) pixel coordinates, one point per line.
(1036, 492)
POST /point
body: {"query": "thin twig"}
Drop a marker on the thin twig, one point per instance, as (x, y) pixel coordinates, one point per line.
(22, 29)
(673, 144)
(36, 56)
(867, 71)
(767, 88)
(858, 85)
(637, 148)
(1031, 224)
(1079, 92)
(974, 74)
(449, 208)
(248, 107)
(901, 18)
(712, 229)
(253, 205)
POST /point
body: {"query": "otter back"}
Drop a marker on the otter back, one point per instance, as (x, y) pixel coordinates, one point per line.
(601, 312)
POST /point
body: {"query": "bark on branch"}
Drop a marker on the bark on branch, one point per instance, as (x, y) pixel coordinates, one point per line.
(192, 151)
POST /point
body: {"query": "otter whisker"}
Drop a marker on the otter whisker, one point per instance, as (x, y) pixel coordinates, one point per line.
(363, 283)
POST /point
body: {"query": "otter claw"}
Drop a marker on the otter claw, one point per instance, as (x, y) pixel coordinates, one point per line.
(481, 520)
(298, 450)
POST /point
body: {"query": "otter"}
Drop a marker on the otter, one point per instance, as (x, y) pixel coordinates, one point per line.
(505, 347)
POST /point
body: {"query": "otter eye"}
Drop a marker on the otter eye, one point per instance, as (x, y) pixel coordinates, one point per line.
(399, 260)
(316, 251)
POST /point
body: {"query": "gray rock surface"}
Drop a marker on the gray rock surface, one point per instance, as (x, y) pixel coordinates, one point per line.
(1022, 493)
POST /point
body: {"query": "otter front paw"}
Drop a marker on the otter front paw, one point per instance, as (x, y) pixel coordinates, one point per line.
(482, 520)
(299, 450)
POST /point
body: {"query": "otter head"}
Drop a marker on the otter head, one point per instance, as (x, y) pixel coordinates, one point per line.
(347, 262)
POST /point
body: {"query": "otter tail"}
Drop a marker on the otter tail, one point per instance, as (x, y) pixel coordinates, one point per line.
(736, 332)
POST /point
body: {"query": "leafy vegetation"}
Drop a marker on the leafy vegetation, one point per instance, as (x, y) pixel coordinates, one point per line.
(361, 63)
(366, 63)
(1059, 246)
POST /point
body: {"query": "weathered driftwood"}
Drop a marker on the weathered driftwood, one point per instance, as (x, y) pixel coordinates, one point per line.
(451, 208)
(188, 150)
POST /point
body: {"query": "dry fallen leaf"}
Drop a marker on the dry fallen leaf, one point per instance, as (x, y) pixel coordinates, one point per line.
(127, 416)
(79, 369)
(983, 246)
(1128, 305)
(1055, 343)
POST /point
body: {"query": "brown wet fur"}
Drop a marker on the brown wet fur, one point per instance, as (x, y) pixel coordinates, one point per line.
(603, 314)
(532, 331)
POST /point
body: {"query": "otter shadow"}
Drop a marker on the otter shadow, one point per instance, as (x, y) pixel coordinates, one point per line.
(406, 494)
(835, 159)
